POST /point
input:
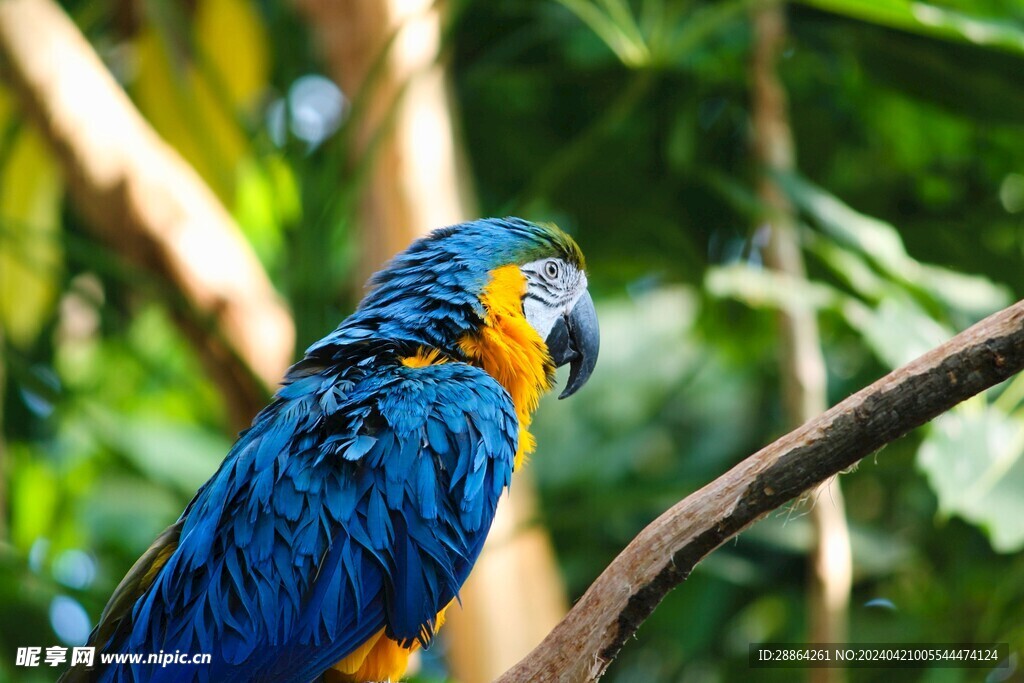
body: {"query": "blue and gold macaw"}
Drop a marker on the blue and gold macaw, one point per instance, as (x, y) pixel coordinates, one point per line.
(344, 521)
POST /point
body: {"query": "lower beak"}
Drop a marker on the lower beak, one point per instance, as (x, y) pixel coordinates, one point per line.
(575, 339)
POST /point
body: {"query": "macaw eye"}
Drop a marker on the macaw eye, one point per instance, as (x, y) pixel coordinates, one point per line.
(551, 269)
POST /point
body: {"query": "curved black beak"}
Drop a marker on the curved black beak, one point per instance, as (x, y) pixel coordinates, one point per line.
(576, 339)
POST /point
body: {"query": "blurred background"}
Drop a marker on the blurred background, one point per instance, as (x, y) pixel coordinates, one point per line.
(779, 202)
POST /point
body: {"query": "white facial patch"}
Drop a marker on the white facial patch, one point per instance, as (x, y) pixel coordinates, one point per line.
(553, 288)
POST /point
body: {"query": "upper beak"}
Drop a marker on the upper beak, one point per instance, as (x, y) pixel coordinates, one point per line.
(576, 339)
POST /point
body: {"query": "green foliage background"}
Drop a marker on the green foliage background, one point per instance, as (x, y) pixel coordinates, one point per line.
(629, 125)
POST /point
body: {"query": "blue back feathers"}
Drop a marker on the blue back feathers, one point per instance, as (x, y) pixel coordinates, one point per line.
(359, 499)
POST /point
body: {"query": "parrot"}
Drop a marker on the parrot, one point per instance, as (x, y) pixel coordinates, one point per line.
(342, 523)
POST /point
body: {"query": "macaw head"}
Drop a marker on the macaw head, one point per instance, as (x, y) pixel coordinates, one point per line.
(558, 307)
(506, 293)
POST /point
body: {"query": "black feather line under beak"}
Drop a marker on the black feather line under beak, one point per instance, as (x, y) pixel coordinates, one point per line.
(576, 339)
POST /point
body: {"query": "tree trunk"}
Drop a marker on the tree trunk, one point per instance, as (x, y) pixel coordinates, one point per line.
(801, 362)
(139, 196)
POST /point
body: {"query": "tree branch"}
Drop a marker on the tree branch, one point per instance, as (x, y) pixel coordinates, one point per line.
(582, 646)
(147, 203)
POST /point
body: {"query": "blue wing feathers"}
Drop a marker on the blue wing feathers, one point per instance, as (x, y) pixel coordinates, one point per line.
(359, 500)
(359, 447)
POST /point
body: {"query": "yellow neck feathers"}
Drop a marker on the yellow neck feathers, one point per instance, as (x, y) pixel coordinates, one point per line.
(510, 350)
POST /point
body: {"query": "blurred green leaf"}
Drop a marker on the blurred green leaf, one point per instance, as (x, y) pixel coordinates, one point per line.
(848, 265)
(932, 20)
(613, 22)
(31, 257)
(127, 513)
(898, 330)
(34, 490)
(231, 38)
(881, 245)
(265, 202)
(666, 33)
(651, 370)
(874, 553)
(975, 295)
(199, 88)
(761, 288)
(972, 458)
(966, 80)
(870, 236)
(178, 454)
